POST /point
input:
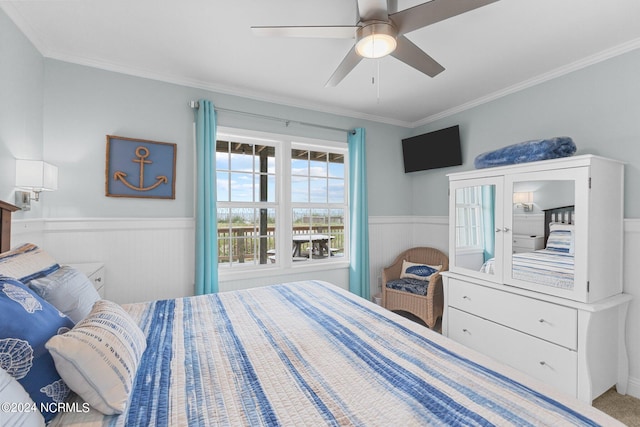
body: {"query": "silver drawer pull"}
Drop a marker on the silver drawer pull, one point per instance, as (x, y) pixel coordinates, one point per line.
(541, 320)
(543, 363)
(466, 331)
(498, 230)
(98, 279)
(506, 229)
(466, 297)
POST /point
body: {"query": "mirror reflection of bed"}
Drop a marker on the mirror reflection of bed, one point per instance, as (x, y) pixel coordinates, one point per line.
(549, 260)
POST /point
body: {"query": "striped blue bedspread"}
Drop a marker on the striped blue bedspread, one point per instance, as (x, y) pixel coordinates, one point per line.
(546, 267)
(312, 354)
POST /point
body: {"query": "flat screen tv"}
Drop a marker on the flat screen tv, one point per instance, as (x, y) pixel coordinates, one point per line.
(432, 150)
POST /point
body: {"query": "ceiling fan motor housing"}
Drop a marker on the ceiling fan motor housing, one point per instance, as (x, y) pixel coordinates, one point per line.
(376, 39)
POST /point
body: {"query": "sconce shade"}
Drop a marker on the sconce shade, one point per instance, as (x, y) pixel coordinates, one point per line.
(36, 175)
(522, 198)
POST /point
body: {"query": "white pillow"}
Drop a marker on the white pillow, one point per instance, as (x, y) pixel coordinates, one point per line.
(22, 410)
(68, 290)
(412, 270)
(99, 357)
(561, 226)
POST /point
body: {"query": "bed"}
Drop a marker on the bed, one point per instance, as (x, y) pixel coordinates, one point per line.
(554, 265)
(305, 353)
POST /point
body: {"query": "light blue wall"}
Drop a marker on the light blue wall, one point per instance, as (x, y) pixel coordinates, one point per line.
(598, 106)
(62, 112)
(83, 105)
(21, 109)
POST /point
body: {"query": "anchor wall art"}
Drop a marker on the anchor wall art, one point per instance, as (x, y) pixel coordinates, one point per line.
(140, 168)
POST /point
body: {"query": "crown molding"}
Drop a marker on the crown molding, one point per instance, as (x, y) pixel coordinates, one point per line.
(297, 103)
(558, 72)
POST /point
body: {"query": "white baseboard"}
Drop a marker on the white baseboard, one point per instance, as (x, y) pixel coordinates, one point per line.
(633, 388)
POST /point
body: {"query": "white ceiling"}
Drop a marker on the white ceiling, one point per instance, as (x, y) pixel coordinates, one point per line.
(488, 52)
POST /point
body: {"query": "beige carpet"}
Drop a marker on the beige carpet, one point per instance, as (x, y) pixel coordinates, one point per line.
(623, 408)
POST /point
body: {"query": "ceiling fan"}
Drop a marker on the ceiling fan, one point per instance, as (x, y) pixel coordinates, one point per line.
(379, 33)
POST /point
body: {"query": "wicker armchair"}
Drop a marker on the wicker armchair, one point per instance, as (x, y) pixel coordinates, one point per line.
(428, 307)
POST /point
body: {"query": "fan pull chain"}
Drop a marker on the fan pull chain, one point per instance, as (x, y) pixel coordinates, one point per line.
(378, 86)
(375, 80)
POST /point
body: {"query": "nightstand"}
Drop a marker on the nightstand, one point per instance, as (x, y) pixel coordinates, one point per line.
(524, 243)
(95, 272)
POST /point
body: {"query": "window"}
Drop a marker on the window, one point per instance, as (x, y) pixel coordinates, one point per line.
(469, 217)
(279, 201)
(246, 195)
(318, 202)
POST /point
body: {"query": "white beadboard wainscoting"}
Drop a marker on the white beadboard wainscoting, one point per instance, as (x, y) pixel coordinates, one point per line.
(390, 235)
(149, 258)
(145, 259)
(631, 275)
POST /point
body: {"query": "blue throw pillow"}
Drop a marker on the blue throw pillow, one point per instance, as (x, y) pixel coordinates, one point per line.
(417, 271)
(28, 322)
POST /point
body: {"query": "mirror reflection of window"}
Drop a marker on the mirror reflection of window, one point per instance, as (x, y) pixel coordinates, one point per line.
(469, 217)
(475, 225)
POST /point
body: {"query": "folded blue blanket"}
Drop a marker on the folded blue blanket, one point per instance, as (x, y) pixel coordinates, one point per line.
(528, 151)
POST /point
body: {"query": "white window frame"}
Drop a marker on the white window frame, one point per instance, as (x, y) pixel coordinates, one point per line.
(284, 217)
(471, 209)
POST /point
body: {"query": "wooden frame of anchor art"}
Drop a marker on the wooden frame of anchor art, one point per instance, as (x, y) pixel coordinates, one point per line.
(140, 168)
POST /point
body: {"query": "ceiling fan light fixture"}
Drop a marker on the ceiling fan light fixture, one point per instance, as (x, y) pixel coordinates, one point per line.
(376, 40)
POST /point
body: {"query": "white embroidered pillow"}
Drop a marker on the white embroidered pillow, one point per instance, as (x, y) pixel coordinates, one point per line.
(99, 357)
(27, 262)
(412, 270)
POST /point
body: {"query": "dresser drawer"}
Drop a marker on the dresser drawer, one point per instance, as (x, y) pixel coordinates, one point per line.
(551, 322)
(550, 363)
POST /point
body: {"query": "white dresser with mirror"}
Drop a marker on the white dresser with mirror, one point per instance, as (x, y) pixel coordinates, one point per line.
(557, 311)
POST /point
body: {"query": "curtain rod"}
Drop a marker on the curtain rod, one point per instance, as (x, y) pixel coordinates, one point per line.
(287, 122)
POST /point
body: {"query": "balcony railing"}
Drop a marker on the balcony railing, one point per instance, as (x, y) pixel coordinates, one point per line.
(243, 244)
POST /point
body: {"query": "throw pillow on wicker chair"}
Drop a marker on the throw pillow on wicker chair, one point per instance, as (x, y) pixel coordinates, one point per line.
(412, 270)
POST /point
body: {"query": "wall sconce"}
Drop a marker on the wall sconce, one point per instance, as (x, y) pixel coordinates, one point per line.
(523, 200)
(35, 176)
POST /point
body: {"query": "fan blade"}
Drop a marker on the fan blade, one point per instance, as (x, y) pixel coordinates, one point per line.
(431, 12)
(329, 32)
(373, 10)
(412, 55)
(348, 63)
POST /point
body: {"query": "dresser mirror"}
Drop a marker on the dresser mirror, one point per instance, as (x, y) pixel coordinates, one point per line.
(476, 210)
(543, 255)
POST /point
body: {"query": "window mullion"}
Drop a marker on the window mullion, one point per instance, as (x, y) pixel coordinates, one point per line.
(285, 230)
